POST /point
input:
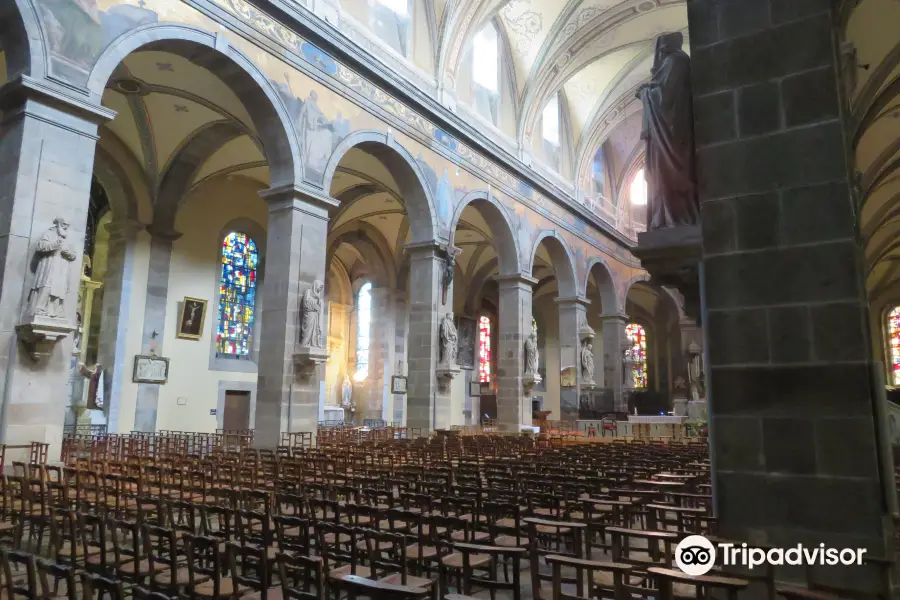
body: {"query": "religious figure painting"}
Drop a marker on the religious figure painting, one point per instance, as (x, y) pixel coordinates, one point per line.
(318, 134)
(468, 329)
(79, 30)
(191, 318)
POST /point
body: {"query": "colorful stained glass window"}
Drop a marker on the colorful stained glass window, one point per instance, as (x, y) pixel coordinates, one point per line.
(363, 325)
(484, 350)
(237, 295)
(637, 353)
(894, 344)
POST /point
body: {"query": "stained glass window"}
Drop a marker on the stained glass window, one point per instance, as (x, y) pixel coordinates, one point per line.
(237, 295)
(637, 353)
(894, 344)
(363, 325)
(484, 350)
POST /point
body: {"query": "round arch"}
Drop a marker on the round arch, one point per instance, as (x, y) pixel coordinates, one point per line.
(495, 215)
(367, 238)
(22, 40)
(253, 89)
(420, 206)
(606, 284)
(563, 262)
(623, 291)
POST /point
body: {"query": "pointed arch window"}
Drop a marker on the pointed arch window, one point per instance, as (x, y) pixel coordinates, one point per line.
(484, 349)
(550, 127)
(237, 295)
(363, 328)
(486, 73)
(893, 325)
(637, 353)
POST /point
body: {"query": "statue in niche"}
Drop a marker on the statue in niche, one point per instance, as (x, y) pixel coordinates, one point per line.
(346, 392)
(695, 372)
(311, 319)
(51, 278)
(531, 354)
(668, 129)
(449, 340)
(587, 361)
(448, 272)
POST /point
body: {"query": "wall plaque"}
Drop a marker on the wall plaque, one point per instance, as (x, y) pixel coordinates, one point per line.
(150, 369)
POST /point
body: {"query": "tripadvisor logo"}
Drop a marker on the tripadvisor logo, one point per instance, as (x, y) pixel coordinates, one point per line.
(695, 555)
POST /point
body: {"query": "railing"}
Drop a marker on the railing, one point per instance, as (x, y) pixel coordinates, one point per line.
(83, 429)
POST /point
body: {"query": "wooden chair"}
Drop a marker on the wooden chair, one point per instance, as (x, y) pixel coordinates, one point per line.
(301, 577)
(13, 587)
(59, 573)
(585, 571)
(703, 584)
(359, 587)
(97, 587)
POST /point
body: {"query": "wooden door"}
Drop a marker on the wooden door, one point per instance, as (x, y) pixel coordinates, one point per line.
(237, 410)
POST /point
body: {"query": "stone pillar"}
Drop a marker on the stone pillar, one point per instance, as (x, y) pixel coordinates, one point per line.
(428, 404)
(613, 335)
(145, 409)
(572, 314)
(47, 144)
(288, 394)
(115, 316)
(514, 316)
(401, 326)
(794, 425)
(381, 328)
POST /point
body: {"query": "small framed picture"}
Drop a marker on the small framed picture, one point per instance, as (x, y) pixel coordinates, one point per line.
(150, 369)
(191, 318)
(475, 389)
(398, 384)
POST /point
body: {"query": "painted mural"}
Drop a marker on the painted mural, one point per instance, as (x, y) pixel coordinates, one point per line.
(323, 117)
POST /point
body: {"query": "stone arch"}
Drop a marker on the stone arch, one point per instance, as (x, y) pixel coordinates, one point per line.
(606, 284)
(249, 84)
(505, 241)
(370, 239)
(116, 183)
(623, 291)
(22, 39)
(563, 262)
(420, 206)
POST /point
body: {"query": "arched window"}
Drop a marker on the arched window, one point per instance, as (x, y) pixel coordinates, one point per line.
(637, 353)
(598, 173)
(237, 295)
(486, 73)
(893, 322)
(391, 23)
(363, 326)
(550, 131)
(484, 349)
(638, 191)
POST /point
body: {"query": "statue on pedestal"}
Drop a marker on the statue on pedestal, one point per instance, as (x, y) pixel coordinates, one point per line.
(531, 354)
(587, 362)
(346, 392)
(695, 372)
(449, 340)
(51, 278)
(311, 316)
(668, 129)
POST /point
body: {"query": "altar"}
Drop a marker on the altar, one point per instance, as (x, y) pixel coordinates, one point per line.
(643, 426)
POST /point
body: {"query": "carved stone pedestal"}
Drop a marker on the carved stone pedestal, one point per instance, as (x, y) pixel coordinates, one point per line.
(529, 380)
(672, 258)
(446, 373)
(40, 335)
(307, 358)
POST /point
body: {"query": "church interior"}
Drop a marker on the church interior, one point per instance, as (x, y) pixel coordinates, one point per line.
(449, 299)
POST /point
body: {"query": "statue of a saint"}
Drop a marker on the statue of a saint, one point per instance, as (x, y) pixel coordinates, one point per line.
(311, 318)
(669, 132)
(95, 397)
(587, 362)
(346, 392)
(531, 354)
(695, 372)
(449, 340)
(51, 278)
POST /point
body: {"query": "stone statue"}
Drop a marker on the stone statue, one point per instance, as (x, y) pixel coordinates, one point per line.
(346, 392)
(311, 319)
(695, 372)
(669, 132)
(449, 340)
(587, 362)
(51, 278)
(95, 397)
(531, 354)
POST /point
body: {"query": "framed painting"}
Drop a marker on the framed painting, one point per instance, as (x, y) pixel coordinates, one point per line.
(150, 369)
(191, 318)
(467, 329)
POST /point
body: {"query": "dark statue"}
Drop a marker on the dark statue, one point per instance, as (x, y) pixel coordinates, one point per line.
(669, 131)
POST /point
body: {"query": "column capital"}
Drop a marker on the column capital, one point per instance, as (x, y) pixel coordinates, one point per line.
(520, 279)
(302, 198)
(424, 248)
(162, 233)
(124, 227)
(572, 301)
(618, 316)
(15, 94)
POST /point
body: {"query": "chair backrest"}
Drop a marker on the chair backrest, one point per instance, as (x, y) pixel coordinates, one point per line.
(292, 534)
(14, 587)
(47, 570)
(249, 569)
(302, 577)
(96, 587)
(204, 561)
(161, 548)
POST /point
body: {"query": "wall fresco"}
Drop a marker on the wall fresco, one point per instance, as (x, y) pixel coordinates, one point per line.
(323, 117)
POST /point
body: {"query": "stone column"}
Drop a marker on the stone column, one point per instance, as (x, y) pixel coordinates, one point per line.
(145, 408)
(613, 336)
(794, 416)
(381, 328)
(401, 326)
(572, 313)
(115, 316)
(288, 394)
(514, 316)
(427, 404)
(47, 144)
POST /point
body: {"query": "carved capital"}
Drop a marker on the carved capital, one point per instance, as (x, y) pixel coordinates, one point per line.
(40, 334)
